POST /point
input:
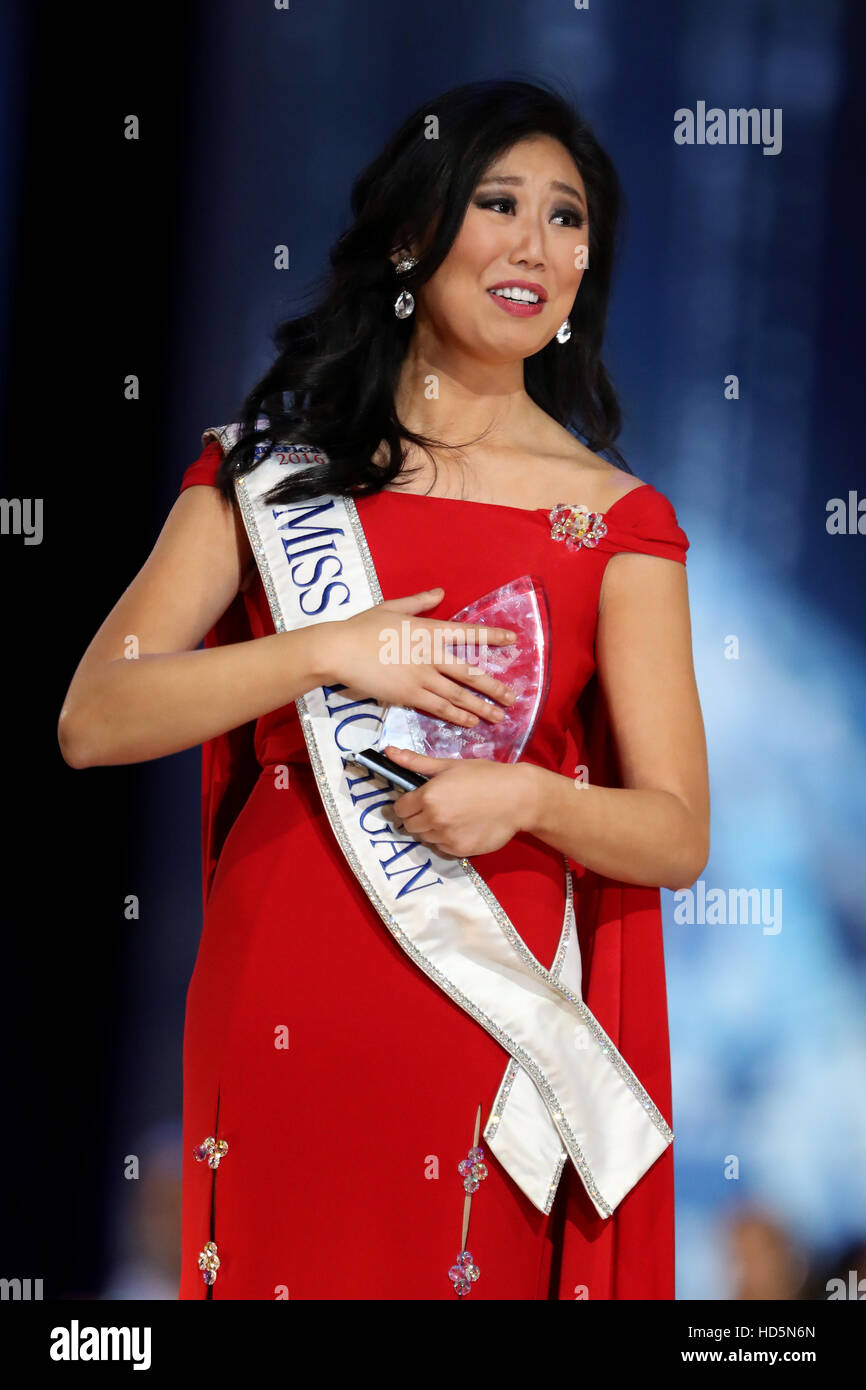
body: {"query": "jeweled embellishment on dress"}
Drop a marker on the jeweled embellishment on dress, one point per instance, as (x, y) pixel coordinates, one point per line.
(212, 1151)
(463, 1274)
(208, 1262)
(577, 525)
(472, 1170)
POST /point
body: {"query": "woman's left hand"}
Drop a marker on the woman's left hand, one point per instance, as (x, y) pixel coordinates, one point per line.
(469, 806)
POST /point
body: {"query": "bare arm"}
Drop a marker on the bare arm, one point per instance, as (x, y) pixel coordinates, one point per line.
(142, 690)
(127, 708)
(655, 829)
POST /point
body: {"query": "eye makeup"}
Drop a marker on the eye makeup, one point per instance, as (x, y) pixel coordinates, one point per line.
(577, 217)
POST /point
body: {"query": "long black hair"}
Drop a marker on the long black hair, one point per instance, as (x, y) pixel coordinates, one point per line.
(333, 382)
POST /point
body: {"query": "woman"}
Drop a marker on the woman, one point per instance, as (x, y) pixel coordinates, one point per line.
(334, 1078)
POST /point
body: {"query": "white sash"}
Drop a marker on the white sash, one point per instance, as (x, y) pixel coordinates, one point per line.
(566, 1091)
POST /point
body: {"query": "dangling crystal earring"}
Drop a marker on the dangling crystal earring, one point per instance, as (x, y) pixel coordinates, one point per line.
(563, 332)
(405, 302)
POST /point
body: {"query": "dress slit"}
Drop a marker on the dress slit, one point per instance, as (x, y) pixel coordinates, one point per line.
(213, 1177)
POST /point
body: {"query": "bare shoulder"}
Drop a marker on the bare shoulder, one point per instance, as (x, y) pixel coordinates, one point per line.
(620, 483)
(603, 480)
(212, 519)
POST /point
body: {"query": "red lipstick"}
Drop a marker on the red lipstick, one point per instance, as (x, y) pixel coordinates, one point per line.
(521, 308)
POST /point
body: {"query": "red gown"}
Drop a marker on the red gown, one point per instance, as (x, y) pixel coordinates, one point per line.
(340, 1180)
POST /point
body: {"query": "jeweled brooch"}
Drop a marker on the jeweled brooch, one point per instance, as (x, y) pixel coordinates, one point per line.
(473, 1170)
(208, 1262)
(577, 525)
(463, 1274)
(212, 1151)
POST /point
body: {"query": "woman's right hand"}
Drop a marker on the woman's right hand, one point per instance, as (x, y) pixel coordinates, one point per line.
(356, 652)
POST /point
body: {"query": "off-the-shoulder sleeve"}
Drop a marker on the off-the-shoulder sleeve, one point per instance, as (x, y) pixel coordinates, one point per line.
(205, 467)
(644, 521)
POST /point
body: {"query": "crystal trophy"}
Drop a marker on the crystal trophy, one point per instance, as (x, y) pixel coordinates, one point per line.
(521, 606)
